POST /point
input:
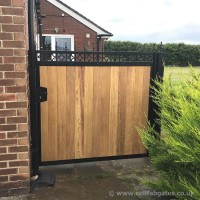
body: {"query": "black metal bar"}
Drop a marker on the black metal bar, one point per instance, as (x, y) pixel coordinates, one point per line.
(68, 64)
(151, 92)
(160, 69)
(156, 74)
(94, 159)
(38, 112)
(159, 77)
(33, 93)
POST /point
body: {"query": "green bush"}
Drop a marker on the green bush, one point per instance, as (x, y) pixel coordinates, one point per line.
(176, 154)
(174, 54)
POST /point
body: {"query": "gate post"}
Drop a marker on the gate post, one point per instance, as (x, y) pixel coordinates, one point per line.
(157, 72)
(33, 92)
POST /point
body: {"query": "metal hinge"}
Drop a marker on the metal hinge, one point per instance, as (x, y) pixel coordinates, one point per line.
(43, 94)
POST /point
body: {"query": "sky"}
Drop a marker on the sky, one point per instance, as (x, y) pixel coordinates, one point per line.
(169, 21)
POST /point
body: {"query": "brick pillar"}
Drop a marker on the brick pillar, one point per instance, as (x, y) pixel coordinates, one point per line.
(14, 114)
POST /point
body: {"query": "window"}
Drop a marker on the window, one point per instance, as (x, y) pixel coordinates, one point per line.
(46, 40)
(58, 43)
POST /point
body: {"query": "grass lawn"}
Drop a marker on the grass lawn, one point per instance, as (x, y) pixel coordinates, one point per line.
(175, 72)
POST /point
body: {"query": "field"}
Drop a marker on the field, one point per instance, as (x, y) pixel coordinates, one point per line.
(175, 72)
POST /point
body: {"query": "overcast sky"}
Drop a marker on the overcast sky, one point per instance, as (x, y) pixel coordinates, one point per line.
(145, 20)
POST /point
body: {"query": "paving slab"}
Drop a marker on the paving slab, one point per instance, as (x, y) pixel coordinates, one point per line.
(105, 180)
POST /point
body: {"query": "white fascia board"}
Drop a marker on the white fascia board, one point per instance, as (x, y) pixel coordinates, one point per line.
(77, 17)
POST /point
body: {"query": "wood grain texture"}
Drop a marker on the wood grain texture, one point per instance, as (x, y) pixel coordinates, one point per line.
(130, 111)
(113, 114)
(78, 113)
(52, 112)
(104, 113)
(121, 110)
(69, 148)
(93, 111)
(88, 112)
(61, 122)
(97, 106)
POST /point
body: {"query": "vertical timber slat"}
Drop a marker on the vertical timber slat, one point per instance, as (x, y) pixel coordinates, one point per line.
(62, 95)
(70, 116)
(113, 118)
(52, 116)
(129, 125)
(88, 111)
(97, 106)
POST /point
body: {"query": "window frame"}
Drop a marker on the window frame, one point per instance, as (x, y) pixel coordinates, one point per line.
(53, 40)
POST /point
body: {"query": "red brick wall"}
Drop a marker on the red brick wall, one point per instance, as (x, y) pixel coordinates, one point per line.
(67, 25)
(14, 117)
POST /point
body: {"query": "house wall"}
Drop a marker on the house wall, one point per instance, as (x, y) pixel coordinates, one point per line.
(14, 115)
(69, 26)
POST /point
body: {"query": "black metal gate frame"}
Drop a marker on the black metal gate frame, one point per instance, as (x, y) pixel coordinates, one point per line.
(74, 58)
(154, 60)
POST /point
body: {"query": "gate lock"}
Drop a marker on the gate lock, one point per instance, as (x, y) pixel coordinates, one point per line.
(43, 94)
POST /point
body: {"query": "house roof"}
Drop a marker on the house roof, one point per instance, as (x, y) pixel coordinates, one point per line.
(84, 20)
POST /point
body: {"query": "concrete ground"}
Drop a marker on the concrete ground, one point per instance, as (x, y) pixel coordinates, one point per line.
(105, 180)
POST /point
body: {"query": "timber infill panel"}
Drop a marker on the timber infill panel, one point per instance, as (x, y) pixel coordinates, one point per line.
(93, 112)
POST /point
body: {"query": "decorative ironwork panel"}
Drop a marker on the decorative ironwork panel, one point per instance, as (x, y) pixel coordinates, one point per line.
(73, 58)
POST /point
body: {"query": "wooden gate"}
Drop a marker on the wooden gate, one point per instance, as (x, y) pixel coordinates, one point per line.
(95, 103)
(93, 111)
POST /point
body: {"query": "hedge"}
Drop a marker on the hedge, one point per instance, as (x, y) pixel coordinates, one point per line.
(178, 54)
(175, 152)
